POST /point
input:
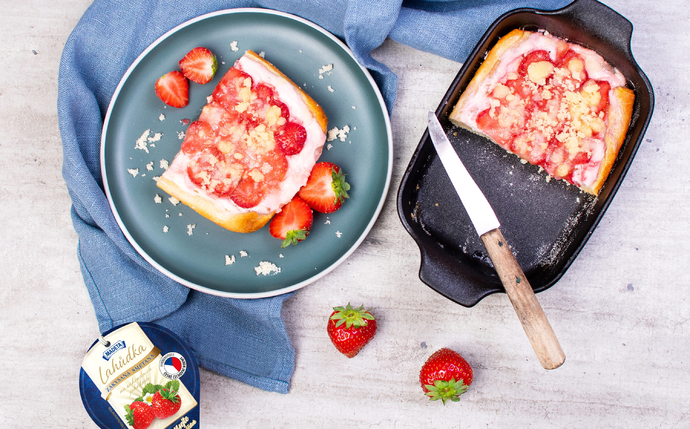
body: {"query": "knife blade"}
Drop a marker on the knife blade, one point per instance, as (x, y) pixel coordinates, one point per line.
(519, 291)
(478, 208)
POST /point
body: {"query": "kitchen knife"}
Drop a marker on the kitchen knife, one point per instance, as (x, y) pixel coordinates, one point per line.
(518, 289)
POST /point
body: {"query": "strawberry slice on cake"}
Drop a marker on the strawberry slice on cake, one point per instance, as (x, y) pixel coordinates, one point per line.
(251, 149)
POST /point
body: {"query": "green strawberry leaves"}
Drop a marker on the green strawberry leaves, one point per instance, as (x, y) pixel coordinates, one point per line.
(351, 316)
(173, 385)
(130, 415)
(170, 390)
(151, 388)
(446, 390)
(294, 236)
(340, 186)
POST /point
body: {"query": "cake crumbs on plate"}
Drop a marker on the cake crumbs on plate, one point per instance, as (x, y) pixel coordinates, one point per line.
(165, 229)
(142, 141)
(330, 88)
(229, 260)
(149, 166)
(327, 69)
(133, 171)
(265, 268)
(181, 135)
(338, 133)
(233, 46)
(243, 253)
(190, 228)
(161, 117)
(328, 221)
(174, 201)
(338, 234)
(164, 164)
(157, 199)
(154, 138)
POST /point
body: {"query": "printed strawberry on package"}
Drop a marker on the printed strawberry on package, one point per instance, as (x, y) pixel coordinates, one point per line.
(140, 376)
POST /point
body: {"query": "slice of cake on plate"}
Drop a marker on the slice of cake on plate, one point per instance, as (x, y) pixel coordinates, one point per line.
(251, 149)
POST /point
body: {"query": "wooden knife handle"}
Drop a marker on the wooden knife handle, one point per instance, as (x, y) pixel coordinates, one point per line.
(530, 313)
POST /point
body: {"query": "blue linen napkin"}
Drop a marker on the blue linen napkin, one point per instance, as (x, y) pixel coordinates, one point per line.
(242, 339)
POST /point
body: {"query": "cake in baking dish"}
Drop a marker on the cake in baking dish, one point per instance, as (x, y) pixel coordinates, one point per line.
(554, 103)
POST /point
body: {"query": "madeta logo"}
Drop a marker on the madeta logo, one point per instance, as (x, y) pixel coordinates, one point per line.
(110, 351)
(173, 366)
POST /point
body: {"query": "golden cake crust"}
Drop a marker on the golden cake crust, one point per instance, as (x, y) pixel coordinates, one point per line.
(238, 222)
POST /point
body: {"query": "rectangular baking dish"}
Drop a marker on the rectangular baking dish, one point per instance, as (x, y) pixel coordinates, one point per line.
(547, 223)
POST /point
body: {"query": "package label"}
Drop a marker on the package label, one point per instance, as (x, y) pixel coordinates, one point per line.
(141, 385)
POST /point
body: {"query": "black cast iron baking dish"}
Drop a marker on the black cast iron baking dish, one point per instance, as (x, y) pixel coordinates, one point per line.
(547, 223)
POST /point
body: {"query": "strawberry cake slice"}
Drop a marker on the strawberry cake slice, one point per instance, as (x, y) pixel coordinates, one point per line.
(251, 149)
(553, 103)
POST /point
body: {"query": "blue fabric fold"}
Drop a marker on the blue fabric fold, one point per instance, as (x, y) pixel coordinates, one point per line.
(242, 339)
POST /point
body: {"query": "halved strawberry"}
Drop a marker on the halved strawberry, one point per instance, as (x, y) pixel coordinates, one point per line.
(256, 183)
(197, 137)
(326, 188)
(173, 89)
(264, 92)
(291, 138)
(532, 57)
(211, 170)
(229, 86)
(248, 192)
(293, 223)
(199, 65)
(284, 110)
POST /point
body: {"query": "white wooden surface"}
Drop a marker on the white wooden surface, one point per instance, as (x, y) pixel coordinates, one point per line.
(621, 312)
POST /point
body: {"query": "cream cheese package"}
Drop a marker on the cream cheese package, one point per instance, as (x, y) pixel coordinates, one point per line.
(140, 376)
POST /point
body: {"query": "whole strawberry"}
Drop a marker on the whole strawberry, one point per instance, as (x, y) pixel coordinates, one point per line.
(139, 415)
(445, 375)
(165, 403)
(350, 329)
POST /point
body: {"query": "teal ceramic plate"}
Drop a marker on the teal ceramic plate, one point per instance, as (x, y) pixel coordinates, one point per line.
(184, 245)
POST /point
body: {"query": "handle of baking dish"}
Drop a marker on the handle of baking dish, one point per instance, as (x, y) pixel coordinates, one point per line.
(456, 281)
(593, 14)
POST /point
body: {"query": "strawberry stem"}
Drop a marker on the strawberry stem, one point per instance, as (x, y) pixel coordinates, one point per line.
(446, 390)
(294, 236)
(339, 185)
(351, 316)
